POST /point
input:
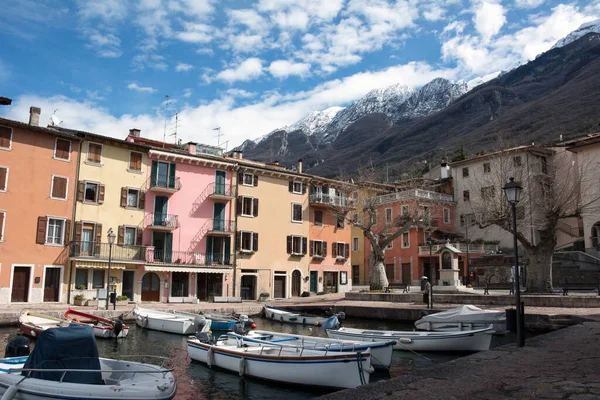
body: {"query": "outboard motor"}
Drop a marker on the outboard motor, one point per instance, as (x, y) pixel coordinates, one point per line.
(239, 329)
(332, 323)
(204, 337)
(423, 313)
(117, 328)
(17, 346)
(199, 323)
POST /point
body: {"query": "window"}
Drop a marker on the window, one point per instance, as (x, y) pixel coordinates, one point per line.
(465, 172)
(487, 168)
(59, 188)
(404, 211)
(180, 284)
(318, 217)
(249, 207)
(340, 250)
(135, 161)
(462, 220)
(248, 180)
(130, 235)
(98, 278)
(446, 215)
(297, 245)
(81, 278)
(91, 192)
(466, 195)
(5, 137)
(318, 248)
(405, 240)
(388, 215)
(62, 149)
(373, 215)
(2, 219)
(517, 161)
(427, 215)
(55, 231)
(355, 243)
(355, 197)
(296, 212)
(297, 187)
(340, 223)
(355, 218)
(248, 241)
(94, 154)
(488, 192)
(3, 179)
(133, 197)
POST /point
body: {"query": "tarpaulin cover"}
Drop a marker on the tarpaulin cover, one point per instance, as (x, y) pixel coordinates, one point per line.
(72, 347)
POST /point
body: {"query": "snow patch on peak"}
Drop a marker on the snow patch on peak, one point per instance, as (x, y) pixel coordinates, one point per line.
(480, 80)
(588, 27)
(314, 123)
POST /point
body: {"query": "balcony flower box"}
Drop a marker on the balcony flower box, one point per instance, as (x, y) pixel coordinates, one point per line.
(296, 254)
(248, 252)
(340, 259)
(318, 258)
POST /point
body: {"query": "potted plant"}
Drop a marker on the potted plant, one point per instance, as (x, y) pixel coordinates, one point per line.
(264, 296)
(79, 299)
(80, 287)
(92, 303)
(122, 300)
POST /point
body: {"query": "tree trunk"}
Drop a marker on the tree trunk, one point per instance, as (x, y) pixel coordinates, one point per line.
(539, 268)
(377, 277)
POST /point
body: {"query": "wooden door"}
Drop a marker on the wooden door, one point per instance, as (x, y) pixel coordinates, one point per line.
(248, 287)
(20, 289)
(150, 287)
(279, 287)
(406, 275)
(52, 284)
(314, 276)
(128, 282)
(389, 272)
(296, 283)
(355, 274)
(330, 282)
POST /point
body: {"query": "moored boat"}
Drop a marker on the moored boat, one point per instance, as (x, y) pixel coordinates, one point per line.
(172, 322)
(285, 364)
(281, 315)
(471, 340)
(465, 317)
(33, 324)
(103, 327)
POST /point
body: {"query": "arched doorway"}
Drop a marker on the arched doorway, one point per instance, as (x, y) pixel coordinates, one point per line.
(151, 287)
(296, 283)
(596, 236)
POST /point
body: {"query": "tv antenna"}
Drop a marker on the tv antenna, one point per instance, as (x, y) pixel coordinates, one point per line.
(166, 103)
(175, 128)
(54, 120)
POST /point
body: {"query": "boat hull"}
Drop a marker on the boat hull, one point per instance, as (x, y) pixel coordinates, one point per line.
(292, 318)
(477, 340)
(32, 324)
(467, 317)
(222, 325)
(164, 321)
(102, 327)
(339, 371)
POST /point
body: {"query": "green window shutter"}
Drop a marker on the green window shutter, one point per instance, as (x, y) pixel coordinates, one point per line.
(209, 250)
(169, 247)
(172, 175)
(153, 173)
(227, 255)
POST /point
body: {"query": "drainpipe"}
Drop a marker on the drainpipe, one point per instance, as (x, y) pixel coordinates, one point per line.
(74, 215)
(235, 231)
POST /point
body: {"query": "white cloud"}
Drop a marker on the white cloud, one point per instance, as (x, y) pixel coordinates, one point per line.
(187, 92)
(246, 43)
(149, 60)
(239, 93)
(141, 89)
(529, 3)
(196, 33)
(283, 68)
(247, 70)
(183, 67)
(434, 13)
(489, 19)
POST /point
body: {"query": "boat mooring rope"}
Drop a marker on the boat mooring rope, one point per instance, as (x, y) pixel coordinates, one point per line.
(360, 367)
(412, 351)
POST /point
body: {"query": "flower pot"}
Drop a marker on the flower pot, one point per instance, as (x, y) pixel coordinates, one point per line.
(79, 302)
(263, 298)
(92, 303)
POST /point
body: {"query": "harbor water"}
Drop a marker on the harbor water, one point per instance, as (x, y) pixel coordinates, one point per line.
(197, 381)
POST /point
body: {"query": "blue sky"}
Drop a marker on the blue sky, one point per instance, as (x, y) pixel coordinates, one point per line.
(249, 67)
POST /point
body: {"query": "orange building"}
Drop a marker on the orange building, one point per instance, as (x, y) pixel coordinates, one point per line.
(37, 188)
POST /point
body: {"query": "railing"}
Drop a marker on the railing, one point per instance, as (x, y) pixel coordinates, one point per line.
(167, 221)
(100, 251)
(473, 248)
(413, 193)
(164, 182)
(574, 231)
(337, 200)
(162, 257)
(220, 225)
(220, 189)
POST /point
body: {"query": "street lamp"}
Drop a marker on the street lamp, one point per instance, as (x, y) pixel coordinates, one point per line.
(111, 240)
(512, 190)
(467, 221)
(431, 270)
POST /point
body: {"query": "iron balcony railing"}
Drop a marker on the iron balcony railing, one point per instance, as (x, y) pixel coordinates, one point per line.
(220, 189)
(100, 251)
(160, 220)
(162, 257)
(220, 225)
(336, 200)
(473, 248)
(164, 182)
(411, 194)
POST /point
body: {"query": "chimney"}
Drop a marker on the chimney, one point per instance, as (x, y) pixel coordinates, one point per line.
(134, 132)
(299, 168)
(191, 147)
(444, 169)
(237, 154)
(34, 116)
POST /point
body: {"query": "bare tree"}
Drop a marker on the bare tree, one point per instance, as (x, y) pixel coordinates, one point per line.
(555, 187)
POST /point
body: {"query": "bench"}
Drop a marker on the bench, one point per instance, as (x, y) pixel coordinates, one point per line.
(578, 286)
(226, 299)
(499, 286)
(405, 288)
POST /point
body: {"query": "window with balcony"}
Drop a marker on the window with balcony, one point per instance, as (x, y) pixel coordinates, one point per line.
(355, 244)
(58, 188)
(465, 172)
(5, 137)
(487, 168)
(3, 179)
(318, 217)
(406, 240)
(62, 149)
(94, 153)
(388, 215)
(135, 161)
(55, 231)
(98, 279)
(446, 216)
(296, 212)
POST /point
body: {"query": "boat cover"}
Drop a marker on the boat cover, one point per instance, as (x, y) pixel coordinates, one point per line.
(72, 347)
(465, 314)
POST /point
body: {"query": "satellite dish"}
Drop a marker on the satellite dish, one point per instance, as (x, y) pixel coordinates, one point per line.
(54, 120)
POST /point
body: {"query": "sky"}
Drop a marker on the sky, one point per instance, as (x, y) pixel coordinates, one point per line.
(245, 68)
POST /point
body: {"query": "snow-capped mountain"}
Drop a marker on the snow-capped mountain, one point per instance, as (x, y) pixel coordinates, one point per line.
(431, 98)
(316, 122)
(588, 27)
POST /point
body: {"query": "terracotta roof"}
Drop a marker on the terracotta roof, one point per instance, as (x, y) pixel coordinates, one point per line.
(41, 129)
(529, 148)
(86, 135)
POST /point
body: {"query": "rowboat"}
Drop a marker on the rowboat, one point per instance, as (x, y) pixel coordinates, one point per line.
(472, 340)
(284, 364)
(172, 322)
(221, 322)
(65, 365)
(278, 314)
(33, 324)
(103, 327)
(465, 317)
(381, 352)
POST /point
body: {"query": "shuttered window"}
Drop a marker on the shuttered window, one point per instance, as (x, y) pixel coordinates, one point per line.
(296, 212)
(2, 219)
(59, 187)
(5, 137)
(94, 154)
(3, 179)
(135, 161)
(55, 231)
(62, 149)
(318, 217)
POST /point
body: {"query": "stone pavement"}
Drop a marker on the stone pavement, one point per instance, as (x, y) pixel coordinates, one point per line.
(564, 364)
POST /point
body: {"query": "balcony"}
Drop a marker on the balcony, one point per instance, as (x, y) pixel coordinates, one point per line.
(187, 258)
(220, 192)
(412, 194)
(164, 184)
(462, 247)
(219, 227)
(326, 200)
(162, 222)
(100, 251)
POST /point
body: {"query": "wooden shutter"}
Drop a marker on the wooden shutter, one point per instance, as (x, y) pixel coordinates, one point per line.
(289, 245)
(171, 183)
(121, 235)
(255, 241)
(63, 147)
(239, 205)
(140, 237)
(1, 225)
(80, 191)
(153, 173)
(311, 250)
(291, 186)
(303, 188)
(304, 239)
(238, 242)
(240, 178)
(324, 248)
(123, 197)
(67, 232)
(346, 250)
(3, 174)
(101, 189)
(255, 207)
(78, 230)
(142, 200)
(334, 250)
(40, 237)
(98, 231)
(255, 180)
(5, 136)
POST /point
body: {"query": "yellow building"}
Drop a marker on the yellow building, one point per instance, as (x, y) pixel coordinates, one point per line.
(109, 197)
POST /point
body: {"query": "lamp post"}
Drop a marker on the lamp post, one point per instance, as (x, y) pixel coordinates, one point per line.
(512, 190)
(467, 221)
(111, 240)
(431, 270)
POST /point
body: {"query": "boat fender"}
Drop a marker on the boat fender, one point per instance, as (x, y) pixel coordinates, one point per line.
(10, 393)
(317, 323)
(145, 322)
(242, 366)
(210, 358)
(32, 333)
(369, 370)
(405, 340)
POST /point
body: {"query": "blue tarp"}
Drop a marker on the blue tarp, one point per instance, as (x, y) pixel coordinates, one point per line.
(72, 347)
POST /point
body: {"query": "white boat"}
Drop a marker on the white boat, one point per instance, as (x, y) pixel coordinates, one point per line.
(381, 352)
(33, 324)
(463, 318)
(103, 327)
(291, 317)
(172, 322)
(473, 340)
(65, 365)
(285, 364)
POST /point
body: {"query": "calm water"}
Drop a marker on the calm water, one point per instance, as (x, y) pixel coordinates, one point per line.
(197, 381)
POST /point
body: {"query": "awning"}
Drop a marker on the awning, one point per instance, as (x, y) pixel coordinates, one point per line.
(160, 268)
(99, 265)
